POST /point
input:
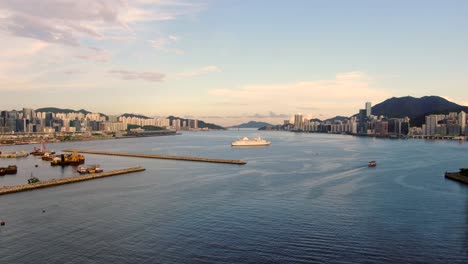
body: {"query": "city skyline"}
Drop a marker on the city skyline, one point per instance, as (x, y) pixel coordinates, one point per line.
(228, 62)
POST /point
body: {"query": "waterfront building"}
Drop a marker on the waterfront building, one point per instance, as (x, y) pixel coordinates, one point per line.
(462, 122)
(193, 124)
(368, 109)
(381, 128)
(432, 123)
(28, 113)
(453, 130)
(114, 126)
(298, 122)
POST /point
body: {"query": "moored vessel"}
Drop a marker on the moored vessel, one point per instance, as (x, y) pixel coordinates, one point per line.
(81, 169)
(16, 154)
(68, 159)
(246, 142)
(11, 169)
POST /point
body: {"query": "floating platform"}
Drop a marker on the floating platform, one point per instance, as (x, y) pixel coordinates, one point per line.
(152, 156)
(61, 181)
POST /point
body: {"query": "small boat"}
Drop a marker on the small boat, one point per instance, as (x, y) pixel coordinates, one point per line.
(372, 163)
(98, 169)
(2, 223)
(82, 170)
(246, 142)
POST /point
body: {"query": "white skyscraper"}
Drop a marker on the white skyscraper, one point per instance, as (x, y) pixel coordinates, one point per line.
(298, 122)
(462, 121)
(368, 109)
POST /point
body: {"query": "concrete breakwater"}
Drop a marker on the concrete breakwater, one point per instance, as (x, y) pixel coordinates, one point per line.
(73, 179)
(152, 156)
(456, 176)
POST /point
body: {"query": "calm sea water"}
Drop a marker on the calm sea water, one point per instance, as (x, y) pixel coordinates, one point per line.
(307, 198)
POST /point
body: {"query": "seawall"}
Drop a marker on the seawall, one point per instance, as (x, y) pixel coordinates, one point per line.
(68, 180)
(153, 156)
(457, 177)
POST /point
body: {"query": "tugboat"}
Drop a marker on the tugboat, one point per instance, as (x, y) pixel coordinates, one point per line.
(372, 163)
(33, 179)
(11, 169)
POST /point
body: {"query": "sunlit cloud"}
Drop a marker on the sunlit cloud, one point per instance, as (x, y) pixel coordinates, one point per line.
(165, 44)
(135, 75)
(66, 22)
(345, 91)
(95, 54)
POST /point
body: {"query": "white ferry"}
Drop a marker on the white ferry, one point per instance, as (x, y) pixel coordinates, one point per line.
(246, 142)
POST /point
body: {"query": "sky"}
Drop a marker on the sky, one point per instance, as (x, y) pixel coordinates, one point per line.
(230, 61)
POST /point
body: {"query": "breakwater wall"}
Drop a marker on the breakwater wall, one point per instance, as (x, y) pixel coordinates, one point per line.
(456, 177)
(152, 156)
(68, 180)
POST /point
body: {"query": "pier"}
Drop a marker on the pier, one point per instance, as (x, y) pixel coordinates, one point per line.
(152, 156)
(68, 180)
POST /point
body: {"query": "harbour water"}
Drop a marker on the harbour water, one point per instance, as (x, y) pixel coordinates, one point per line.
(307, 198)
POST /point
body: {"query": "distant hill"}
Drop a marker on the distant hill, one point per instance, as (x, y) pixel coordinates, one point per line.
(59, 110)
(336, 118)
(201, 124)
(66, 111)
(252, 124)
(134, 115)
(416, 108)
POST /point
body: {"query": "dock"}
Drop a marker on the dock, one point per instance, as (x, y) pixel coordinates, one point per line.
(153, 156)
(68, 180)
(456, 176)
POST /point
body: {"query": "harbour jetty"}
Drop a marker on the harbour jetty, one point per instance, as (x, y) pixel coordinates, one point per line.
(461, 176)
(62, 181)
(152, 156)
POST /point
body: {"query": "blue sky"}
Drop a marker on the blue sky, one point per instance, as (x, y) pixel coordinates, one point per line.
(230, 61)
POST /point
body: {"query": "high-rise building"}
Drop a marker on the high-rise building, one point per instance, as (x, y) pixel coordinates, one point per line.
(432, 125)
(368, 109)
(298, 122)
(462, 121)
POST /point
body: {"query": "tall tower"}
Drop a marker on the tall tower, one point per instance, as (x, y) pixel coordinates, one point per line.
(462, 121)
(298, 122)
(368, 109)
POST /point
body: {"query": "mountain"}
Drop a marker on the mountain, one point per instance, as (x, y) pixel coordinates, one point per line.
(201, 124)
(416, 108)
(134, 115)
(252, 124)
